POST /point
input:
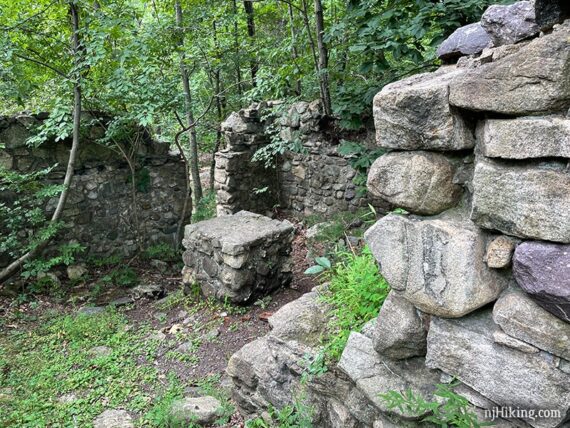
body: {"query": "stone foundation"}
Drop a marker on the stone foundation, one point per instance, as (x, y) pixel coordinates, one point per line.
(314, 179)
(238, 257)
(100, 212)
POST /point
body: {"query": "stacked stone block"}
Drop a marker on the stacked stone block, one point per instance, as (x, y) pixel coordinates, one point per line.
(503, 331)
(313, 179)
(238, 257)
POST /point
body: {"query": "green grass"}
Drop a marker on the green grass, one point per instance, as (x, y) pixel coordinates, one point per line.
(356, 292)
(41, 365)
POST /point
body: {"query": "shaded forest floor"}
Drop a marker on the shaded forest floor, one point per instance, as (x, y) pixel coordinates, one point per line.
(64, 359)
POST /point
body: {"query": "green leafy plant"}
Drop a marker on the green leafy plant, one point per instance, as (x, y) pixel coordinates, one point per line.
(356, 292)
(268, 154)
(122, 276)
(452, 410)
(322, 264)
(66, 255)
(361, 159)
(162, 252)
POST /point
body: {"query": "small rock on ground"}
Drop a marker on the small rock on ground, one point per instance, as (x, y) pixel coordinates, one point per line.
(113, 419)
(91, 310)
(200, 410)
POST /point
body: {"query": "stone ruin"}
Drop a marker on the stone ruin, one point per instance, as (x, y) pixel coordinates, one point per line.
(315, 179)
(479, 267)
(238, 257)
(99, 212)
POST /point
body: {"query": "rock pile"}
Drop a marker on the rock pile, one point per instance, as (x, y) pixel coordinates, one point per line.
(238, 257)
(479, 267)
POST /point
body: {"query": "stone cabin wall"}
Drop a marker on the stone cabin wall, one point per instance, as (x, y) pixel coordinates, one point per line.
(479, 268)
(100, 213)
(314, 180)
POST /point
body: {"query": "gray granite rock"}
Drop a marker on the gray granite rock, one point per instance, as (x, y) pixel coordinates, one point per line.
(465, 348)
(301, 320)
(436, 264)
(197, 410)
(113, 419)
(530, 200)
(400, 331)
(507, 24)
(468, 40)
(420, 182)
(525, 138)
(414, 114)
(375, 375)
(503, 338)
(542, 269)
(532, 80)
(520, 317)
(500, 252)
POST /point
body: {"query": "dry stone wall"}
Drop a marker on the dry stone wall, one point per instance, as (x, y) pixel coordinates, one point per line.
(314, 179)
(100, 213)
(479, 264)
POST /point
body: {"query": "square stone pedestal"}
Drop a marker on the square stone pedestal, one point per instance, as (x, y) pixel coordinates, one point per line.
(238, 257)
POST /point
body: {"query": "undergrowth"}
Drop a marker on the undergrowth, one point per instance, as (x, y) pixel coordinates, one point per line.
(50, 376)
(448, 410)
(356, 292)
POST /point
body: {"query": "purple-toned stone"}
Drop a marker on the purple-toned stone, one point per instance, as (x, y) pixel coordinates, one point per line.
(468, 40)
(542, 269)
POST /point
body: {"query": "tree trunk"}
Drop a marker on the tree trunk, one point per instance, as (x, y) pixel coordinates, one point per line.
(220, 104)
(13, 267)
(189, 113)
(323, 58)
(236, 46)
(294, 53)
(249, 13)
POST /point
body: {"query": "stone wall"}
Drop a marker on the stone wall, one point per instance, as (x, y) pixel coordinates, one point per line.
(479, 266)
(313, 179)
(100, 213)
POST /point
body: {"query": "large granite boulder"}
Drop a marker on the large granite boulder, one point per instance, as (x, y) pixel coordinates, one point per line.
(400, 329)
(375, 375)
(468, 40)
(268, 372)
(520, 317)
(551, 12)
(465, 348)
(421, 182)
(436, 264)
(238, 257)
(526, 200)
(414, 114)
(510, 24)
(524, 138)
(542, 269)
(533, 79)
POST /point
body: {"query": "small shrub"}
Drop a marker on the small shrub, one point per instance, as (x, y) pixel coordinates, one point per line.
(356, 293)
(123, 276)
(162, 252)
